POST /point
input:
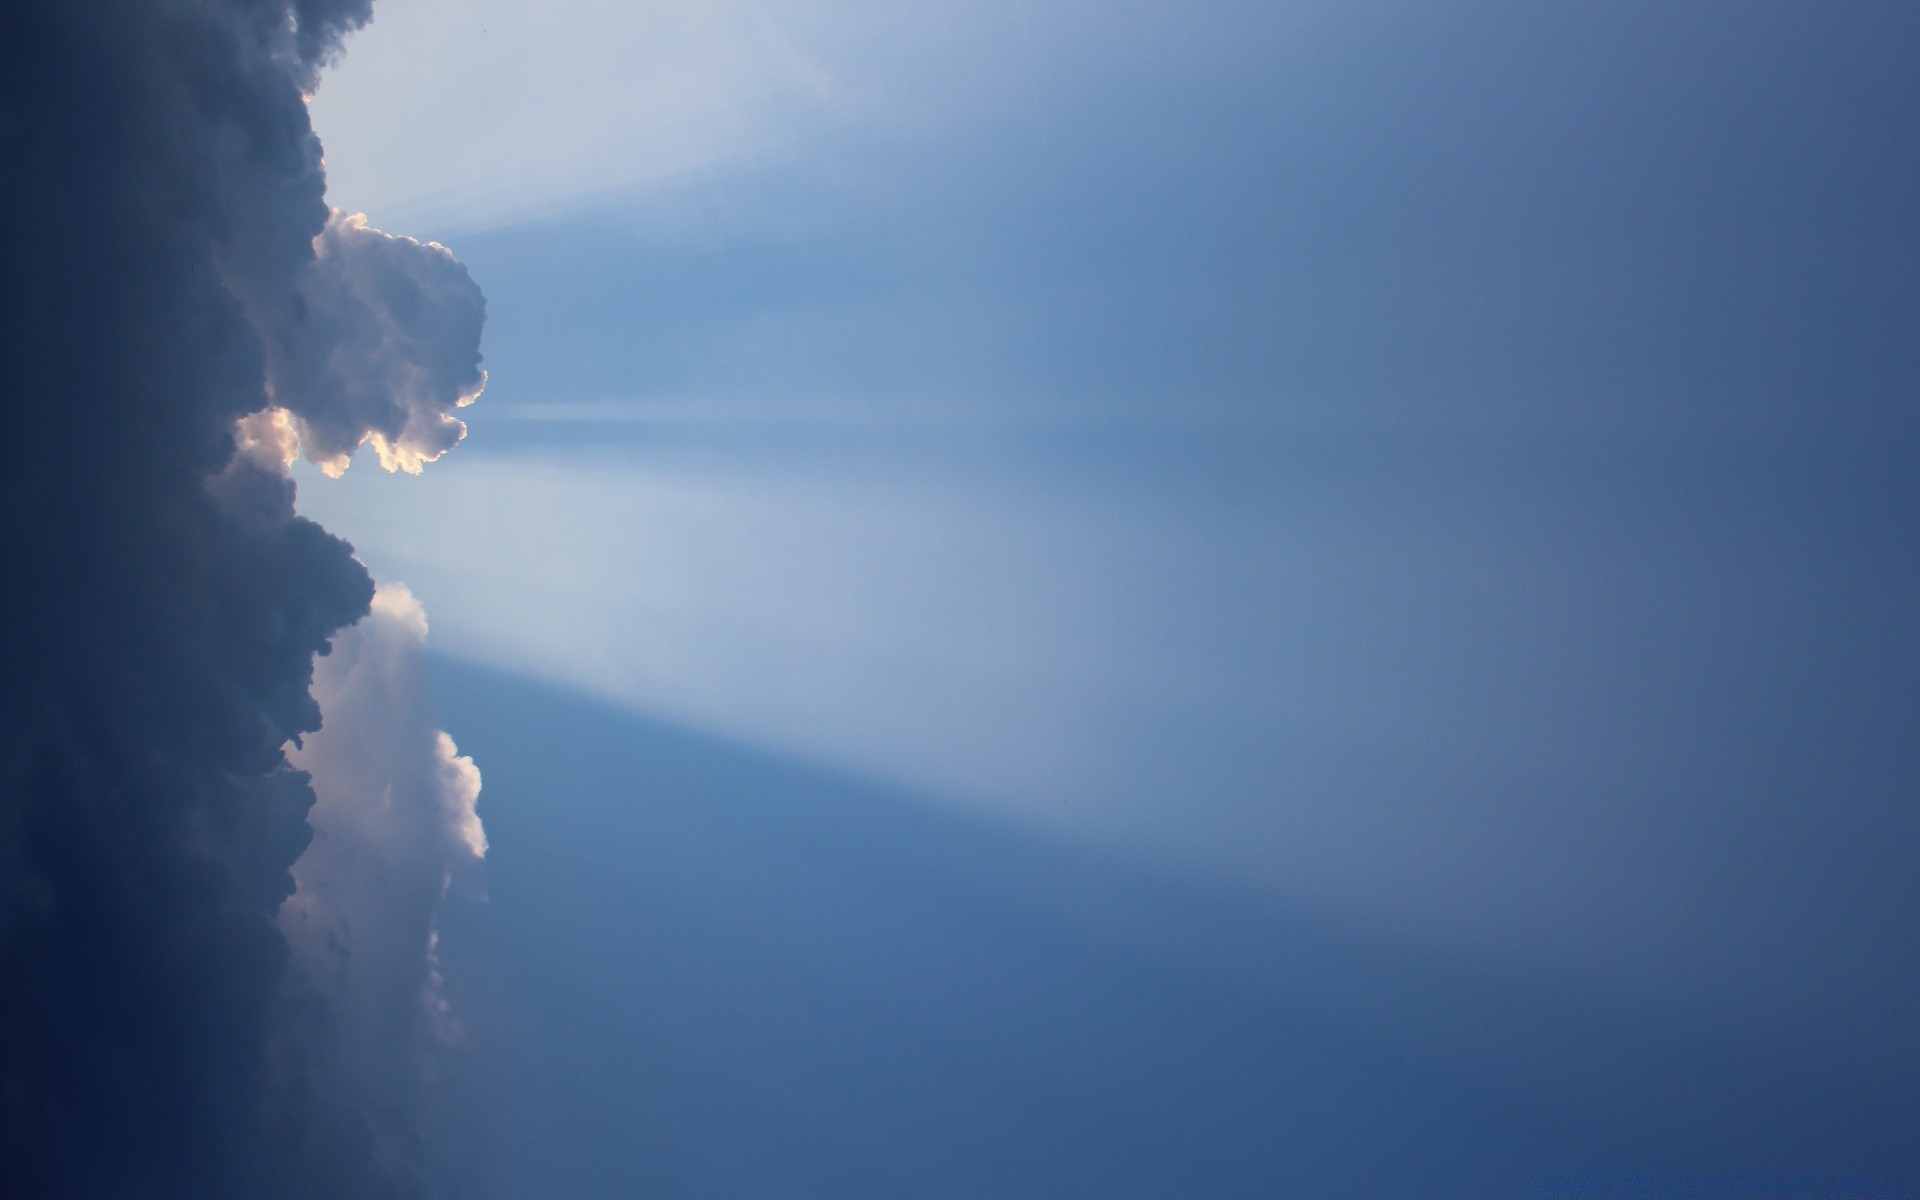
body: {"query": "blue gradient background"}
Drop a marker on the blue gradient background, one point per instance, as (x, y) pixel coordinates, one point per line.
(1242, 602)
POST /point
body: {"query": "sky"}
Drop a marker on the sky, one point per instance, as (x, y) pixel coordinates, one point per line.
(1043, 599)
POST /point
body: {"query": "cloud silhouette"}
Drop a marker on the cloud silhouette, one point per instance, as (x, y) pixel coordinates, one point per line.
(180, 310)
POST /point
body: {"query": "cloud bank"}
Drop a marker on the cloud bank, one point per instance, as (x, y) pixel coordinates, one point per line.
(181, 313)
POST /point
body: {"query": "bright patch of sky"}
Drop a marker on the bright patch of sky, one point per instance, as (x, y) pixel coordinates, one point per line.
(1430, 464)
(522, 111)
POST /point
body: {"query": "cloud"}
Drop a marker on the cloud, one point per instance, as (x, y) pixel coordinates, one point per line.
(394, 825)
(384, 342)
(173, 276)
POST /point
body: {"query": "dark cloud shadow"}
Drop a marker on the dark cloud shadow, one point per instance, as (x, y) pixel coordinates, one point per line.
(709, 970)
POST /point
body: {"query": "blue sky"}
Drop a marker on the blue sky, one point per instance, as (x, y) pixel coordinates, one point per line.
(1440, 476)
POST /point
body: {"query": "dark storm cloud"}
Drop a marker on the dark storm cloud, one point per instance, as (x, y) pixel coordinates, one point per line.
(161, 194)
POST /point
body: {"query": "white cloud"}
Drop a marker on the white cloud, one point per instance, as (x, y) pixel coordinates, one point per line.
(394, 824)
(382, 345)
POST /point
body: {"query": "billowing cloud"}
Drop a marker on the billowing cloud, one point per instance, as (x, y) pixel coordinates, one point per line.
(383, 343)
(180, 309)
(394, 825)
